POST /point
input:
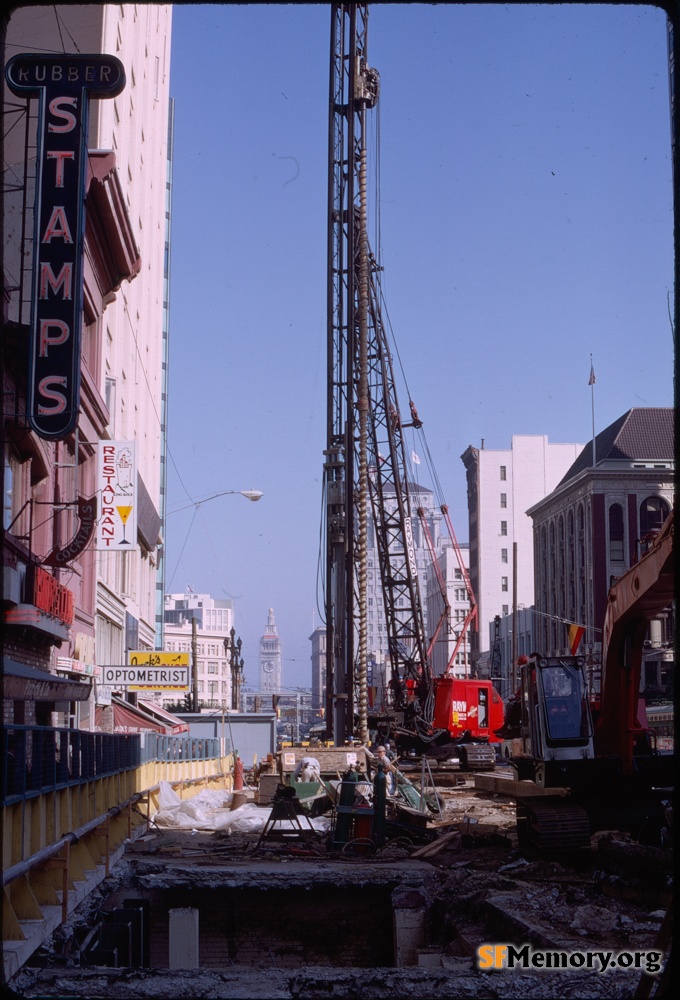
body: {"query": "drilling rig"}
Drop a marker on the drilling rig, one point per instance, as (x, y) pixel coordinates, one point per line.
(366, 477)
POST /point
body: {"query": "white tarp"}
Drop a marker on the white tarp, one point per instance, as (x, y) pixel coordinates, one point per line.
(211, 810)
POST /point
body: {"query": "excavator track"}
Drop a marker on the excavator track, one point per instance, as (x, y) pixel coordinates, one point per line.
(552, 825)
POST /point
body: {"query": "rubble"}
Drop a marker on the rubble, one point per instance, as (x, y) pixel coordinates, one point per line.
(480, 889)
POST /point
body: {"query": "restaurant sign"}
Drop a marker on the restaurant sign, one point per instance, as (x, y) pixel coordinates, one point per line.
(117, 487)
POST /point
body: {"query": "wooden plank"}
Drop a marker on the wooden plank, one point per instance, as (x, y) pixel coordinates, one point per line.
(429, 849)
(514, 789)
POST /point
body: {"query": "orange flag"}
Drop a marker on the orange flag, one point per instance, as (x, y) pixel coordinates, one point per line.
(575, 635)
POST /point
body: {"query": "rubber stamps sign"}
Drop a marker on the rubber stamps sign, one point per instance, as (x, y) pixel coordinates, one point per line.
(62, 85)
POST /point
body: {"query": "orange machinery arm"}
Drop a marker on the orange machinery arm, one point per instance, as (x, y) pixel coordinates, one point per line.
(638, 596)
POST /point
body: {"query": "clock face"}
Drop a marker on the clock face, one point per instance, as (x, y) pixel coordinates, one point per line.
(268, 667)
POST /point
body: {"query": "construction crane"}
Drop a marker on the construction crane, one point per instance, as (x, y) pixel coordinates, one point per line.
(365, 454)
(366, 477)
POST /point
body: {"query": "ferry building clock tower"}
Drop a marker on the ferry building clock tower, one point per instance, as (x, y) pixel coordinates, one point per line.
(270, 658)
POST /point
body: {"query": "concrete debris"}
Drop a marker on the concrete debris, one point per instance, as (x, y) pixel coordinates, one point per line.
(456, 980)
(593, 920)
(489, 893)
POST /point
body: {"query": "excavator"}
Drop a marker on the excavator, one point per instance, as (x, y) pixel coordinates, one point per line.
(585, 747)
(367, 481)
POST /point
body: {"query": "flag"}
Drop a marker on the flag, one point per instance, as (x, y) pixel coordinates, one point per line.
(576, 633)
(414, 458)
(591, 380)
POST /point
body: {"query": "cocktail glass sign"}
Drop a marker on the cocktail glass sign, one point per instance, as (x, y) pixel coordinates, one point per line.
(62, 85)
(117, 488)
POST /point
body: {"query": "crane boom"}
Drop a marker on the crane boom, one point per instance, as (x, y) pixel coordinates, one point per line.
(638, 596)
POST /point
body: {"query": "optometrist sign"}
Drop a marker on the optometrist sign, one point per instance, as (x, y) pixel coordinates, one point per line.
(63, 84)
(149, 671)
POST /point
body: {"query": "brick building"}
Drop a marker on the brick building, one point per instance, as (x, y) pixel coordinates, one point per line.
(594, 525)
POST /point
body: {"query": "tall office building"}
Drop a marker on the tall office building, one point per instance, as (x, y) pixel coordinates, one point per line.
(271, 664)
(319, 664)
(447, 577)
(502, 485)
(431, 523)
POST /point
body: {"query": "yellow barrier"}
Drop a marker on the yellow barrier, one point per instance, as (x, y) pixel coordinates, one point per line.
(59, 845)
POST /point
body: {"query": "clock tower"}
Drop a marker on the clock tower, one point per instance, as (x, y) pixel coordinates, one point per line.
(270, 658)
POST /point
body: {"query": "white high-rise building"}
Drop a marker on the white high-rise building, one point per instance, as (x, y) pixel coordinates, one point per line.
(421, 498)
(319, 667)
(502, 485)
(447, 630)
(214, 621)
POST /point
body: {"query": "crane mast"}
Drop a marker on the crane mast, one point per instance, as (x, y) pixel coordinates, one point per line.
(365, 465)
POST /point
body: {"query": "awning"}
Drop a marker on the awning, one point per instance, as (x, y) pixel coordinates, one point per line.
(176, 725)
(23, 683)
(128, 718)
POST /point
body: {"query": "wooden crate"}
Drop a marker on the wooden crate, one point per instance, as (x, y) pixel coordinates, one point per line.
(333, 760)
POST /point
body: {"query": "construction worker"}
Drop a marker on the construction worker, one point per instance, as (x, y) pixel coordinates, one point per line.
(388, 767)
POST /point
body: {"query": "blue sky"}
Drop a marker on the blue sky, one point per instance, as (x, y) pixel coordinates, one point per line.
(523, 218)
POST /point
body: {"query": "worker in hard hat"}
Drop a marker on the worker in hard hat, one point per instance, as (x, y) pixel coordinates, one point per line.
(389, 769)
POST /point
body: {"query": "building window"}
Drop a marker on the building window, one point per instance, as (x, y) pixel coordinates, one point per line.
(505, 609)
(504, 527)
(504, 499)
(504, 475)
(212, 667)
(11, 495)
(653, 512)
(616, 532)
(504, 583)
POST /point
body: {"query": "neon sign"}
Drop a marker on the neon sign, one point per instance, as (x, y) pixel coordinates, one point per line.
(62, 85)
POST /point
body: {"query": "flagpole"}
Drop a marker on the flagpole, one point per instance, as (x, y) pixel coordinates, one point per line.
(591, 383)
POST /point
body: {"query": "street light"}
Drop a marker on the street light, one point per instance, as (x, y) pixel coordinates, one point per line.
(253, 495)
(232, 649)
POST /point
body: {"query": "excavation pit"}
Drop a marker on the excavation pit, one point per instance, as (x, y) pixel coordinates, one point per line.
(268, 915)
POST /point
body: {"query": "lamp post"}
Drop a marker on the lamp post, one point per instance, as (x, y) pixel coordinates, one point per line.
(232, 648)
(253, 495)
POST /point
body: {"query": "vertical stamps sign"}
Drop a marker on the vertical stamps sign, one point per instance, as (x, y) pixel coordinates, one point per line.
(62, 85)
(117, 488)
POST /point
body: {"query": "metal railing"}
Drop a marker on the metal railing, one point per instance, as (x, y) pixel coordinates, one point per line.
(155, 746)
(37, 759)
